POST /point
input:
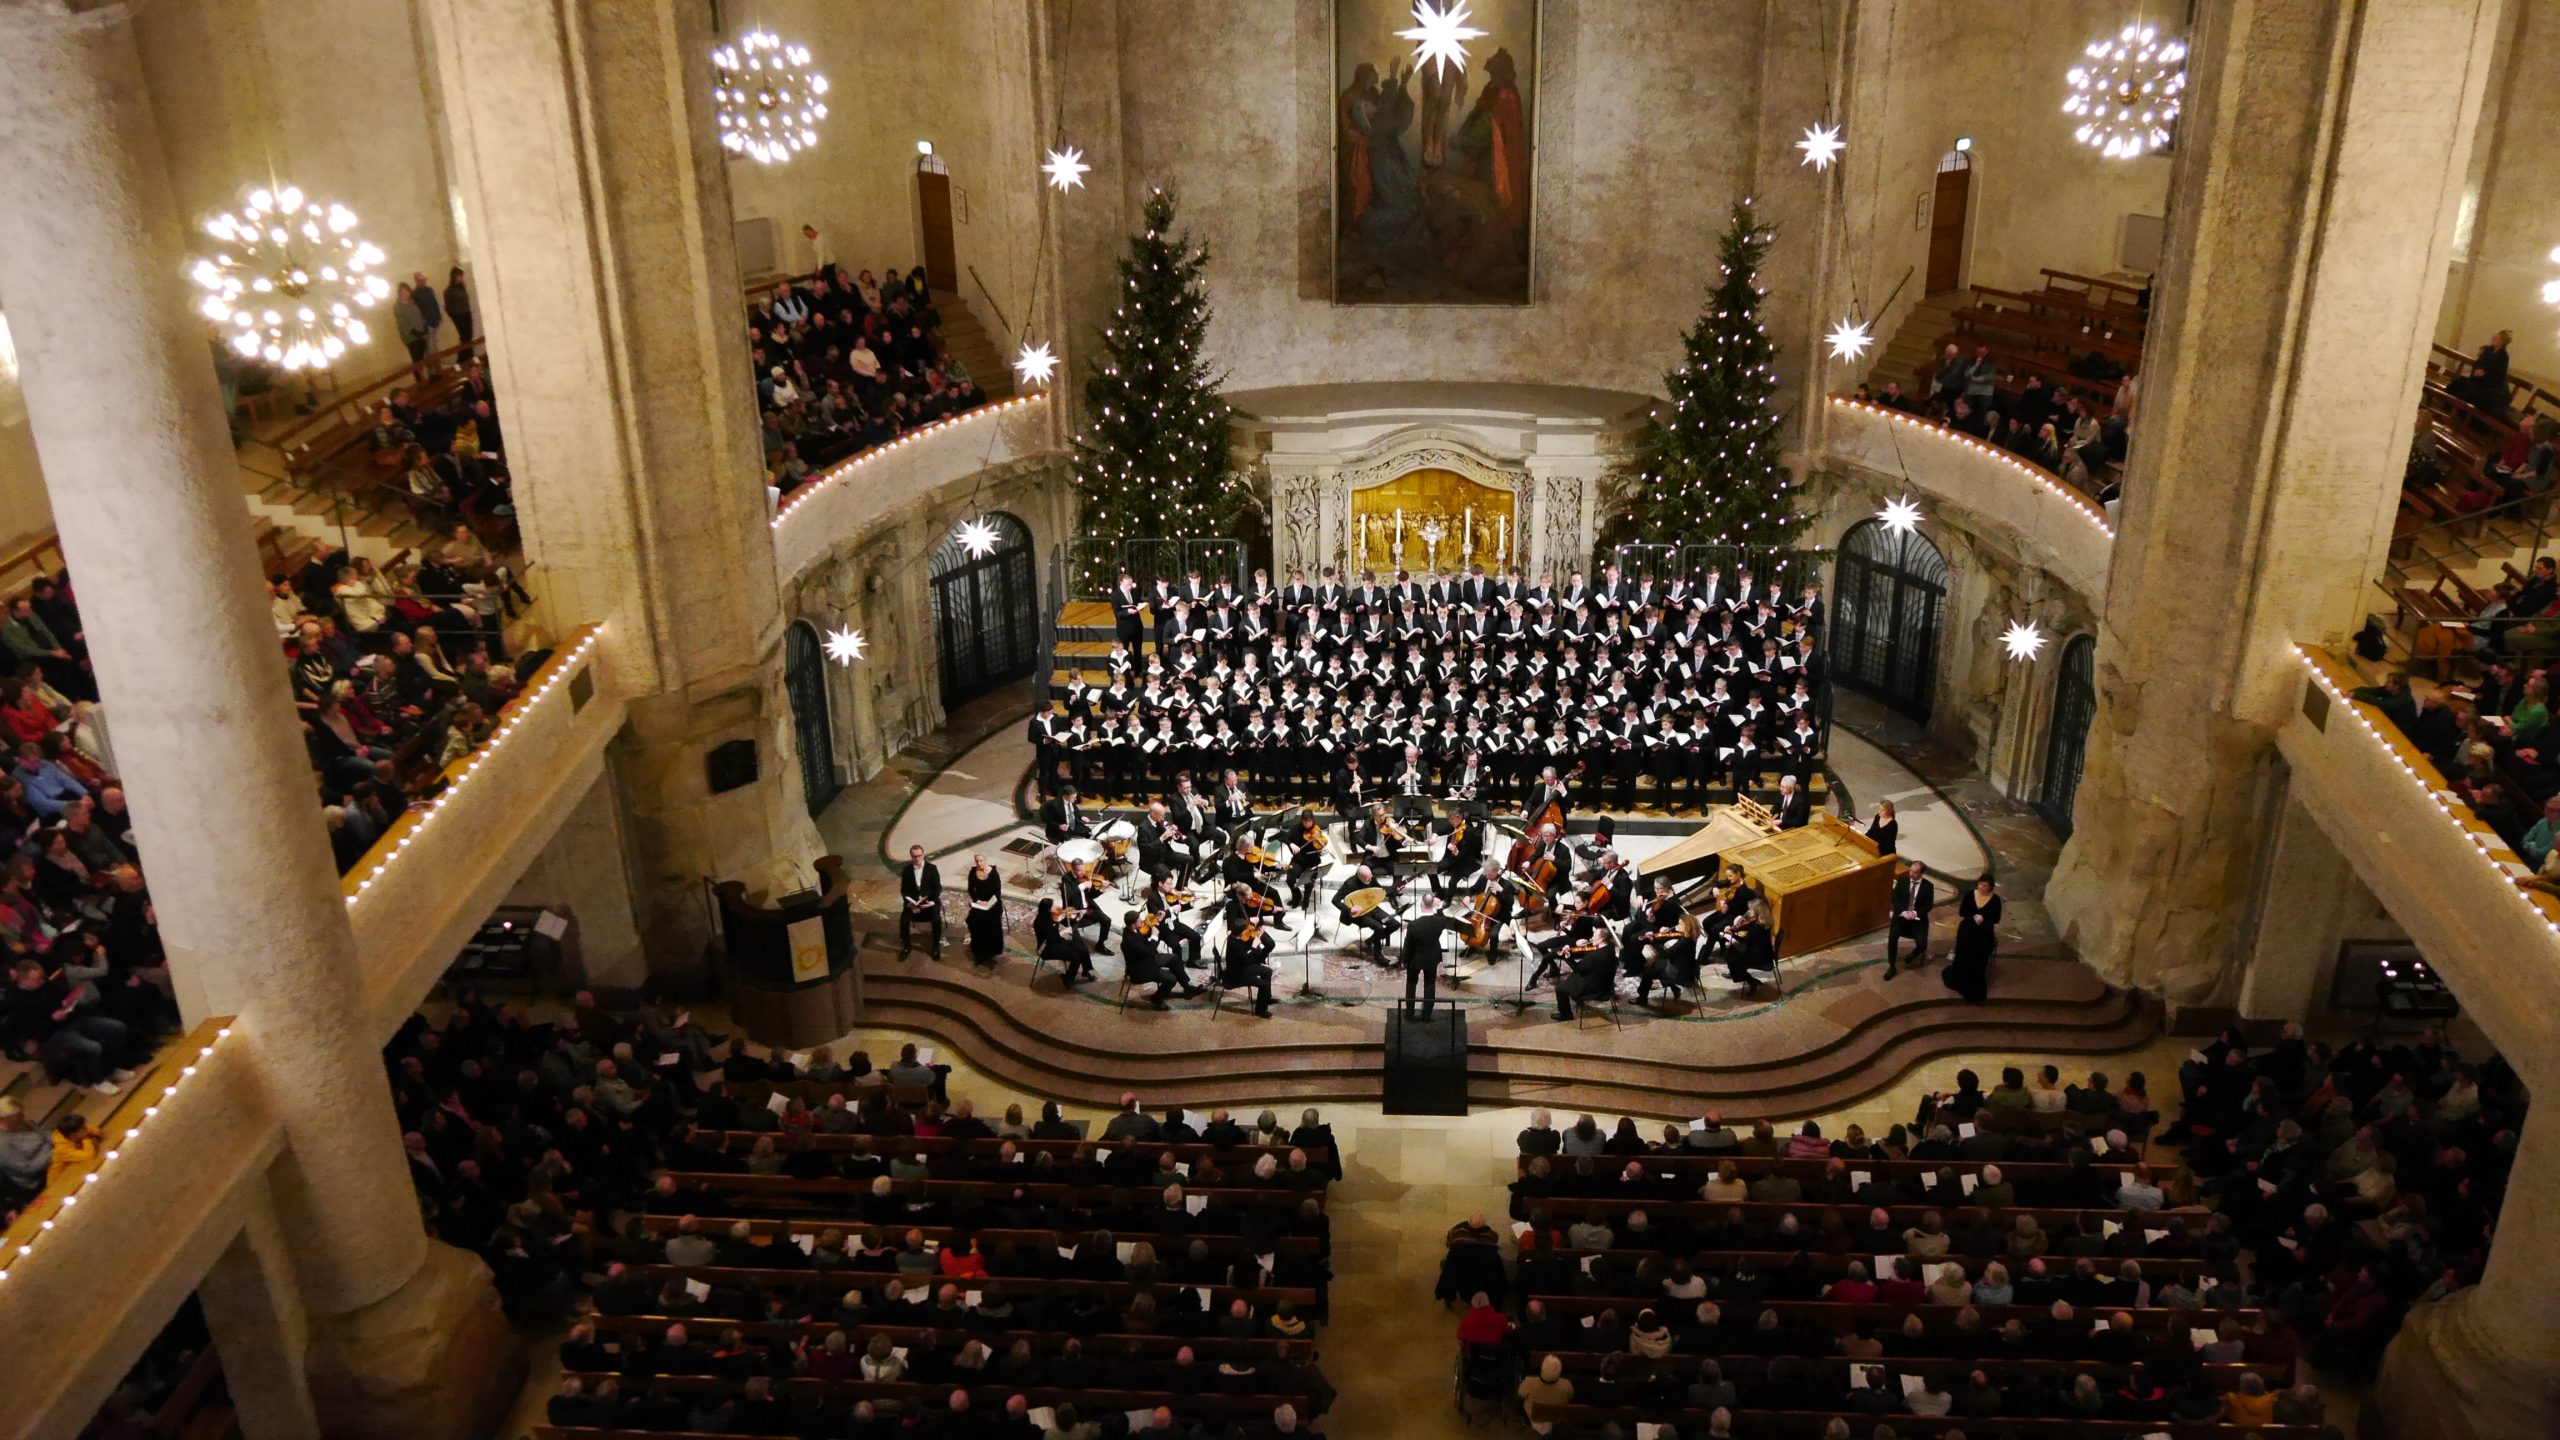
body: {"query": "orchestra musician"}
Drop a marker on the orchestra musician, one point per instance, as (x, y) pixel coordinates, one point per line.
(1750, 949)
(1469, 779)
(1061, 819)
(1162, 847)
(1662, 945)
(1054, 942)
(1423, 949)
(1537, 858)
(1250, 917)
(1306, 858)
(1165, 904)
(1549, 802)
(1078, 910)
(919, 899)
(1593, 962)
(1379, 923)
(1794, 809)
(1487, 910)
(1153, 961)
(1197, 819)
(1913, 894)
(1461, 853)
(1235, 805)
(1577, 933)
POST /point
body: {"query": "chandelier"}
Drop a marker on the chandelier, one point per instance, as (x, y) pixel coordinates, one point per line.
(768, 98)
(2126, 92)
(288, 277)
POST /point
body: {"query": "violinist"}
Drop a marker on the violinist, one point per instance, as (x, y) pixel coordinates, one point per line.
(1161, 910)
(1461, 854)
(1074, 957)
(1249, 946)
(1306, 859)
(1577, 935)
(1376, 834)
(1662, 945)
(1594, 967)
(1078, 911)
(1153, 961)
(1379, 923)
(1750, 949)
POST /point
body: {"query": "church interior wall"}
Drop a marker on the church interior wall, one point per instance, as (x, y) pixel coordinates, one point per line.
(955, 75)
(1237, 117)
(1932, 71)
(2502, 256)
(335, 98)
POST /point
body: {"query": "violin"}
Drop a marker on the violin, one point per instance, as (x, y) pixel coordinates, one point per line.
(1146, 922)
(1311, 835)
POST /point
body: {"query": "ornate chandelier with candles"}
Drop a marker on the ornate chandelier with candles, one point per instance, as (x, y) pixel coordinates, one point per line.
(2126, 92)
(768, 97)
(287, 278)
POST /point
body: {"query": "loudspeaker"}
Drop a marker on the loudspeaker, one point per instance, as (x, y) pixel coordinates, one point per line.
(730, 765)
(1426, 1062)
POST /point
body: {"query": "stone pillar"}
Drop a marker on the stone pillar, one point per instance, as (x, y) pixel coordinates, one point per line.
(2484, 1364)
(2319, 168)
(2302, 900)
(585, 874)
(599, 213)
(119, 387)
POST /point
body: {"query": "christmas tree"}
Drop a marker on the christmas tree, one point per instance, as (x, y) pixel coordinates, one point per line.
(1152, 456)
(1707, 468)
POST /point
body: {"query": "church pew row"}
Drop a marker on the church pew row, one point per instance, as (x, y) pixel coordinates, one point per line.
(2021, 1173)
(2155, 1268)
(872, 1284)
(785, 1188)
(935, 1147)
(782, 1232)
(1786, 1424)
(1209, 1348)
(1839, 1317)
(1833, 1369)
(985, 1399)
(1563, 1210)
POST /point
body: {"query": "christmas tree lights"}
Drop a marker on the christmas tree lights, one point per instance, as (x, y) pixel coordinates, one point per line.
(1707, 467)
(1151, 460)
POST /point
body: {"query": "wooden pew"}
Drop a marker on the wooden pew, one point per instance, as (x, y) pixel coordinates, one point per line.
(1786, 1424)
(784, 1187)
(650, 1327)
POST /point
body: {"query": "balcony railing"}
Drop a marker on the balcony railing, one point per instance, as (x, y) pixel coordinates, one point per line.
(2441, 871)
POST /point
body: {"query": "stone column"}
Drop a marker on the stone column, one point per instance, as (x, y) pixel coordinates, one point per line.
(119, 387)
(2302, 900)
(2484, 1364)
(2319, 169)
(599, 214)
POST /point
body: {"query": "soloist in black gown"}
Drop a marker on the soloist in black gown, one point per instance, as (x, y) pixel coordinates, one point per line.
(1977, 936)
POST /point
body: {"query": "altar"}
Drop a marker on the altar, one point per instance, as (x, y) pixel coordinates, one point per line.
(1434, 475)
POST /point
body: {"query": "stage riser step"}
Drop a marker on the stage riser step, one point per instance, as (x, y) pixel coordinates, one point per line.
(1238, 1066)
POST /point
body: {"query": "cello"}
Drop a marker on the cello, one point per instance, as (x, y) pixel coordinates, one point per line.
(1482, 917)
(1552, 813)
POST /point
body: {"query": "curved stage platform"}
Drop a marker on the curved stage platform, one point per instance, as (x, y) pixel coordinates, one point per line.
(1833, 1032)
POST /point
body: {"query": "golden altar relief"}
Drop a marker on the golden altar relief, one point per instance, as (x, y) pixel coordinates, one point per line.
(1432, 520)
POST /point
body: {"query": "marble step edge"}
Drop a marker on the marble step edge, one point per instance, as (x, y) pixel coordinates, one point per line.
(1353, 1068)
(2065, 1010)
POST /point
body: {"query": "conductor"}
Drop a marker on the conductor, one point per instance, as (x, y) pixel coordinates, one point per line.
(1422, 951)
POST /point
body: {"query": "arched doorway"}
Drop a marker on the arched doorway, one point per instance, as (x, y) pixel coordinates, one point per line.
(1947, 206)
(804, 679)
(985, 611)
(2066, 745)
(1889, 595)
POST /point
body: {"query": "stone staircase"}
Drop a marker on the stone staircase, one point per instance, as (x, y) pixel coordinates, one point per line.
(291, 517)
(990, 364)
(1915, 342)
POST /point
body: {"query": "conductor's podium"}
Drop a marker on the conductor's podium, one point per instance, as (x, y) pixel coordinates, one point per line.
(1824, 883)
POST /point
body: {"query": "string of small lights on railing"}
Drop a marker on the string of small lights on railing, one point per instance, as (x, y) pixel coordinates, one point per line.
(162, 1082)
(2090, 509)
(2493, 852)
(517, 711)
(852, 464)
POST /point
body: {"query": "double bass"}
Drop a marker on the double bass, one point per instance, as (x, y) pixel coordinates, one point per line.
(1552, 813)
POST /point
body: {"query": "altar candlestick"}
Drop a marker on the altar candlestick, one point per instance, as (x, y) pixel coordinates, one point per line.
(1467, 535)
(1501, 540)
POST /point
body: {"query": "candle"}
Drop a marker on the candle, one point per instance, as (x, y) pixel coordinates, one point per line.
(1397, 557)
(1467, 535)
(1362, 558)
(1501, 540)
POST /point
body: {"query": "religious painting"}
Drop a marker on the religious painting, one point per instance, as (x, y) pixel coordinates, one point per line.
(1432, 522)
(1433, 157)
